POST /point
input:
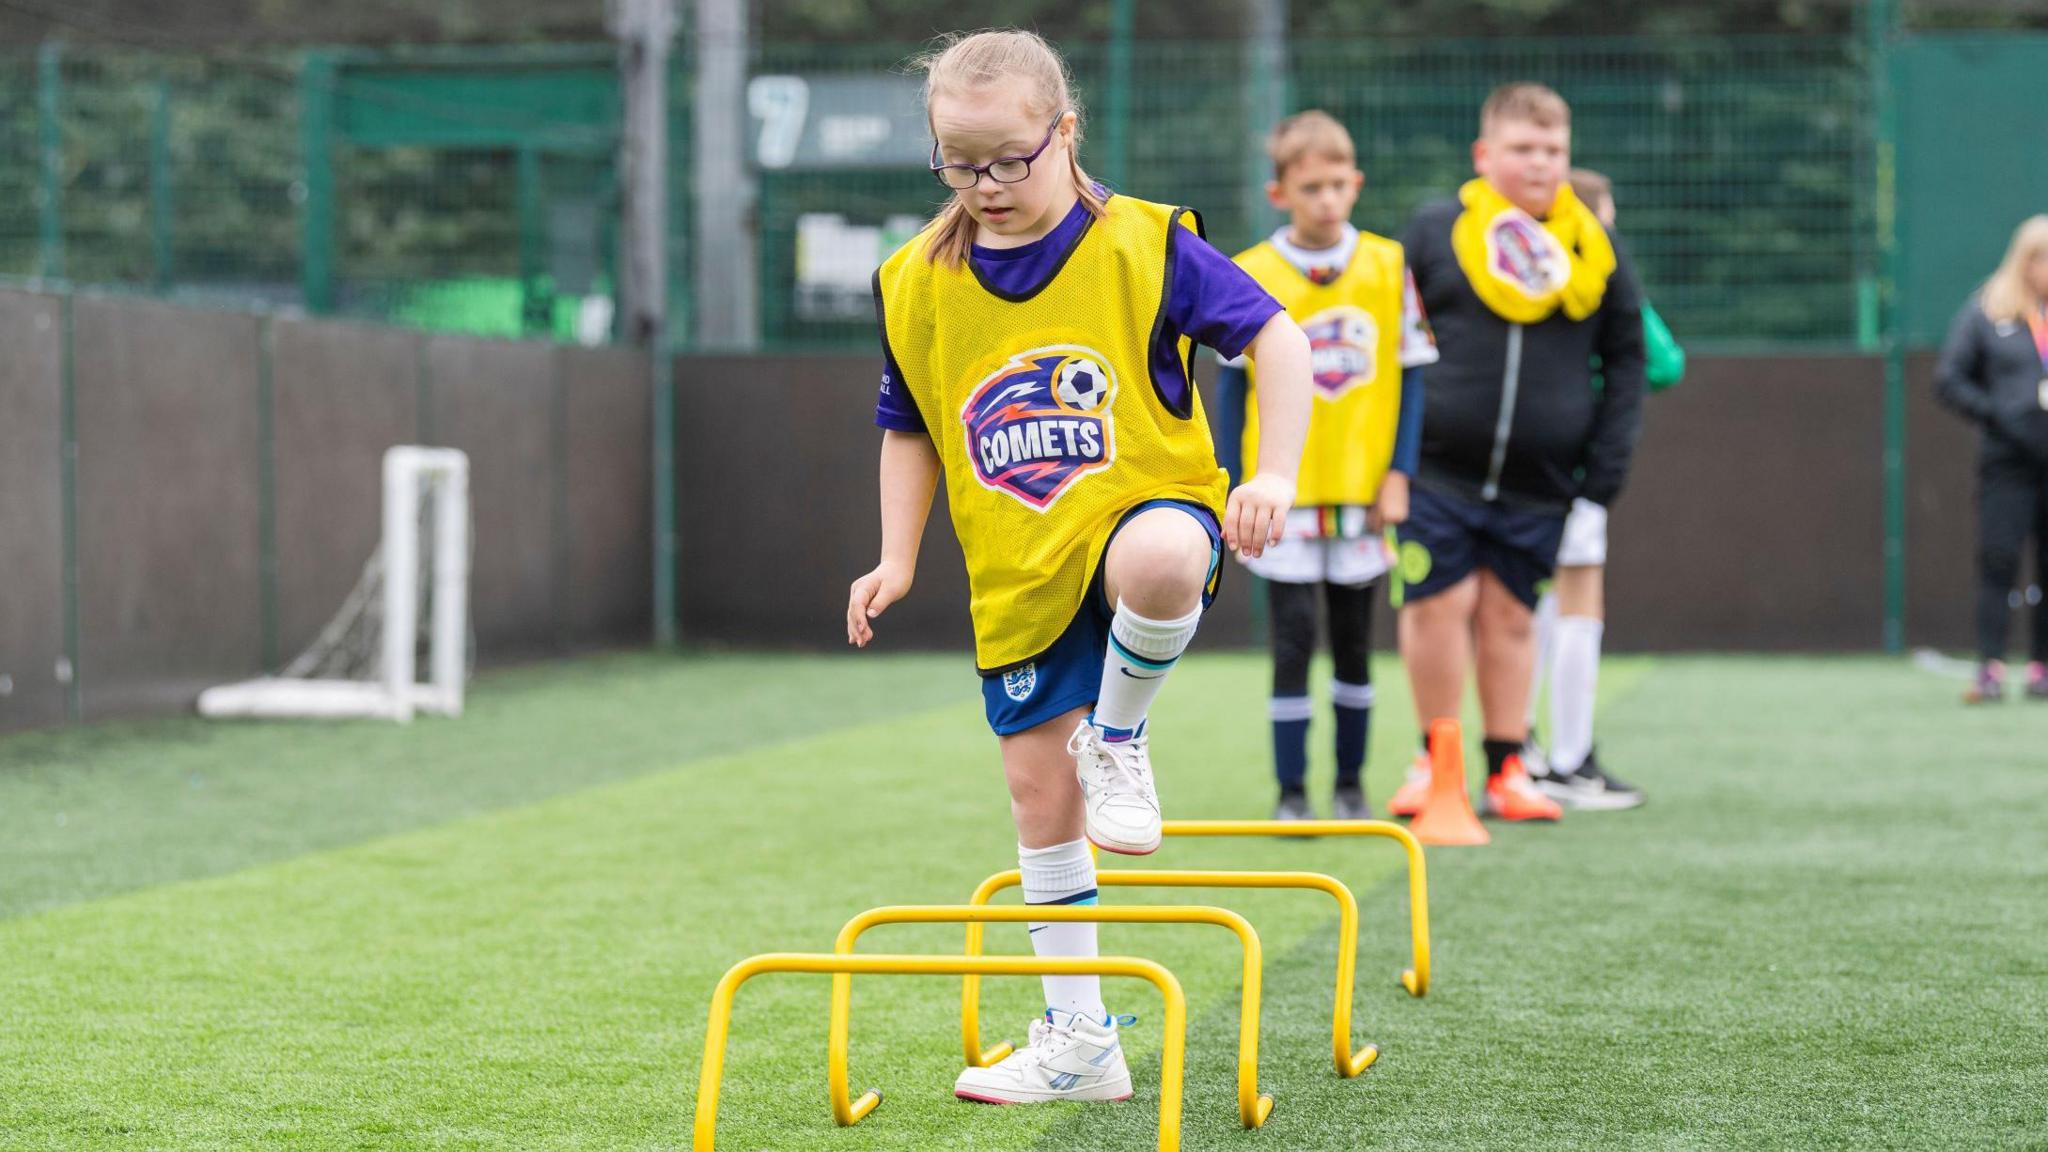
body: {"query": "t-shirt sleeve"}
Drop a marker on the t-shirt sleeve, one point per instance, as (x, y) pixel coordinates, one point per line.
(894, 409)
(1213, 300)
(1418, 343)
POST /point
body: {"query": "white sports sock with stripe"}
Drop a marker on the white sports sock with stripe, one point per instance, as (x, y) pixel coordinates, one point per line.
(1063, 874)
(1141, 652)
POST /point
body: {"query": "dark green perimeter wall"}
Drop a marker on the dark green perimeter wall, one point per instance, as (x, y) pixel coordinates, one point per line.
(1753, 520)
(225, 492)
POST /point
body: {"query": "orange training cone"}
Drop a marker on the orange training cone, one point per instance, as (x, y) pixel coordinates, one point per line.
(1447, 815)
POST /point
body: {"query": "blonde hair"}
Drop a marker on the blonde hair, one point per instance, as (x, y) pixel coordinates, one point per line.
(2006, 295)
(1306, 134)
(968, 60)
(1531, 103)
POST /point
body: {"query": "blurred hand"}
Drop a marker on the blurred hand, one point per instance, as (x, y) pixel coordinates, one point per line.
(1257, 512)
(870, 596)
(1392, 508)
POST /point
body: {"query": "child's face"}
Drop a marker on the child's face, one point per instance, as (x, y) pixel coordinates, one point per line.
(1318, 194)
(1525, 162)
(982, 125)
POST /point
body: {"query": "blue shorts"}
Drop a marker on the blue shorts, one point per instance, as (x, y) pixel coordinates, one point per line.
(1447, 538)
(1068, 675)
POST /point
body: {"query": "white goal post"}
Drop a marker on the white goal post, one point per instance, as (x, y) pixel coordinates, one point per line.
(365, 663)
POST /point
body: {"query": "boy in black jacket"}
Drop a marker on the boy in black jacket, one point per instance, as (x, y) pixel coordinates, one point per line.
(1525, 291)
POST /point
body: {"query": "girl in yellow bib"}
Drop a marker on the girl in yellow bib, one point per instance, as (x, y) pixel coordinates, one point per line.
(1037, 339)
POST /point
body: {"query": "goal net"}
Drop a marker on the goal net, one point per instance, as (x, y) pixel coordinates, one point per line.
(413, 595)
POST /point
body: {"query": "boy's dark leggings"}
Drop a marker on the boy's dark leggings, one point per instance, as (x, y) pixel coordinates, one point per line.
(1293, 624)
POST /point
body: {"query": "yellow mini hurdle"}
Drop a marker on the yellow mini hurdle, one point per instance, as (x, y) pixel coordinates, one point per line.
(1172, 1058)
(1348, 1063)
(1252, 1108)
(1415, 978)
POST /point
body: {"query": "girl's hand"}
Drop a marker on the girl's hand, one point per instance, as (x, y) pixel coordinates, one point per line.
(869, 596)
(1392, 508)
(1257, 512)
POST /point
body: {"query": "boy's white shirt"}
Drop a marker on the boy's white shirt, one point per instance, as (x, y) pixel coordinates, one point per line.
(1418, 347)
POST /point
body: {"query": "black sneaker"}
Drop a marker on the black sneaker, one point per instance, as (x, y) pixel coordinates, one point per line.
(1350, 804)
(1589, 788)
(1293, 806)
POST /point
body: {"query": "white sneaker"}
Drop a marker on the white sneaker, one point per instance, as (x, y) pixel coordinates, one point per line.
(1117, 791)
(1075, 1058)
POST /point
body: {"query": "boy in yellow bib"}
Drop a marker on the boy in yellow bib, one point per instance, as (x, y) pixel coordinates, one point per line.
(1036, 341)
(1350, 291)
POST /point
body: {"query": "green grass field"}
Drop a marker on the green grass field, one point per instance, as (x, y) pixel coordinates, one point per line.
(1829, 929)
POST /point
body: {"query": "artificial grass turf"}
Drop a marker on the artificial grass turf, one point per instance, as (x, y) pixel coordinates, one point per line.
(93, 811)
(1826, 931)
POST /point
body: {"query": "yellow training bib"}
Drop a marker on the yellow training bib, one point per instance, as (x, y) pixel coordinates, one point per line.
(1046, 416)
(1354, 331)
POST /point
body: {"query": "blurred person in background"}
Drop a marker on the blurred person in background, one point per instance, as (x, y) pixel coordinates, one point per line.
(1352, 294)
(1523, 289)
(1994, 370)
(1571, 617)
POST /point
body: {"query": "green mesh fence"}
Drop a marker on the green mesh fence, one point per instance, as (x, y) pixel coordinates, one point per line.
(1742, 165)
(477, 190)
(474, 192)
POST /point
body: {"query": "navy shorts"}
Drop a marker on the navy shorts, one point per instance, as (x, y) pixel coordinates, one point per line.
(1447, 538)
(1068, 675)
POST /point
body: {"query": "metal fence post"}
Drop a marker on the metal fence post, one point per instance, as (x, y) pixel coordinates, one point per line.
(266, 489)
(1116, 101)
(162, 206)
(50, 189)
(74, 690)
(1882, 29)
(536, 306)
(316, 138)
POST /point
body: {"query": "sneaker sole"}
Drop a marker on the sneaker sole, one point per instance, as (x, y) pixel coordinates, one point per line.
(1124, 849)
(1604, 802)
(1489, 812)
(1048, 1098)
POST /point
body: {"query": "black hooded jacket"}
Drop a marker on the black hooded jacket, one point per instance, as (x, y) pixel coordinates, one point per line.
(1557, 437)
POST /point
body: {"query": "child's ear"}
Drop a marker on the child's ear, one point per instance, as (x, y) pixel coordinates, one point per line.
(1357, 180)
(1275, 195)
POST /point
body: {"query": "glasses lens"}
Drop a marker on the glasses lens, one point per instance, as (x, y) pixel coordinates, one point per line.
(959, 179)
(1010, 171)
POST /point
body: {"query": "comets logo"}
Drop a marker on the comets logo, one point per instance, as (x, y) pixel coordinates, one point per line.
(1040, 422)
(1525, 255)
(1343, 346)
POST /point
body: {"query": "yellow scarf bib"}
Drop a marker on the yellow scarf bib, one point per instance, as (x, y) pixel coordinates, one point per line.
(1525, 269)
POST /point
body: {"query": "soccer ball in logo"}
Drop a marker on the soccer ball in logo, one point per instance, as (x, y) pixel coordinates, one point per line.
(1081, 384)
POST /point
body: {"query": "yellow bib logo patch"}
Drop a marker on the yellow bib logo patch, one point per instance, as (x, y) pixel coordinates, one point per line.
(1041, 422)
(1343, 346)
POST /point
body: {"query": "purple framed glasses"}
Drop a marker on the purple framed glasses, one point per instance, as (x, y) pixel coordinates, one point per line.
(1007, 170)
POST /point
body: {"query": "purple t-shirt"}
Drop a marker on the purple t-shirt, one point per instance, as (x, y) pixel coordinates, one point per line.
(1211, 300)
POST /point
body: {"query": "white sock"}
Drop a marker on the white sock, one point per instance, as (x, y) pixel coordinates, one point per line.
(1141, 653)
(1574, 680)
(1063, 874)
(1546, 643)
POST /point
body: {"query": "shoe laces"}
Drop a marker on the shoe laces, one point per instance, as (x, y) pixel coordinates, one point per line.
(1121, 768)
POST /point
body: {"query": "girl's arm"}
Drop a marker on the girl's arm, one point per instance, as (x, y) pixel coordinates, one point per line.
(1257, 510)
(910, 474)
